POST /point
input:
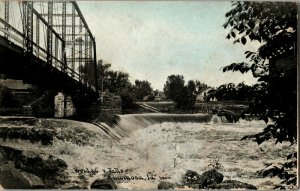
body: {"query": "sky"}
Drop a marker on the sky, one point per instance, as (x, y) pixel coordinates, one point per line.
(154, 39)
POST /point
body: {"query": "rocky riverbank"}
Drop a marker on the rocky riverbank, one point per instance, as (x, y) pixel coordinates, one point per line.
(31, 158)
(211, 179)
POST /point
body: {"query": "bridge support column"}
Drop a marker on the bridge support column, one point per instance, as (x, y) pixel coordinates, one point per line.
(64, 106)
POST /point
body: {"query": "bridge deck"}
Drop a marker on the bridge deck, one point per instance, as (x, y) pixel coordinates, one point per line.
(14, 64)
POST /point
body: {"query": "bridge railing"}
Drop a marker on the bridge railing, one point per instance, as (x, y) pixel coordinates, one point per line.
(11, 33)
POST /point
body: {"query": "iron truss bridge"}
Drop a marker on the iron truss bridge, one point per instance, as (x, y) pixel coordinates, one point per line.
(47, 42)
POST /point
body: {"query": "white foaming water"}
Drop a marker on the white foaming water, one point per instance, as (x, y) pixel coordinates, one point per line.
(137, 121)
(217, 120)
(169, 145)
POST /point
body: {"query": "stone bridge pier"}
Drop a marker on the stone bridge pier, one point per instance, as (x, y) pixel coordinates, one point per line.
(63, 106)
(77, 105)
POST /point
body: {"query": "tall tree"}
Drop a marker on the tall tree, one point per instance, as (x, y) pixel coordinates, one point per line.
(191, 93)
(87, 72)
(103, 69)
(243, 92)
(117, 81)
(274, 25)
(173, 86)
(232, 92)
(142, 89)
(183, 95)
(199, 86)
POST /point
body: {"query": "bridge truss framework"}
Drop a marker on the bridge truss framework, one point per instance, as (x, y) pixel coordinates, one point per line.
(55, 32)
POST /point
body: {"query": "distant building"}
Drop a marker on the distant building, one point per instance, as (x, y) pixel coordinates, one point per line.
(203, 93)
(160, 96)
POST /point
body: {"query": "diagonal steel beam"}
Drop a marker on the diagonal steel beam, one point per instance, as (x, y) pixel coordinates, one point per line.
(49, 32)
(82, 19)
(29, 27)
(93, 43)
(6, 15)
(73, 38)
(63, 31)
(47, 24)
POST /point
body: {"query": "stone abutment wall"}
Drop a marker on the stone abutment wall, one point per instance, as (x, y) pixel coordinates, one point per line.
(106, 104)
(110, 103)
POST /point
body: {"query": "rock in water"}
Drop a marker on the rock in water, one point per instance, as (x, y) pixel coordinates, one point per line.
(12, 178)
(33, 181)
(191, 178)
(210, 177)
(165, 186)
(103, 184)
(232, 184)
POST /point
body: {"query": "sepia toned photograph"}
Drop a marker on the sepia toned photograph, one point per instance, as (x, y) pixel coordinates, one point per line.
(149, 95)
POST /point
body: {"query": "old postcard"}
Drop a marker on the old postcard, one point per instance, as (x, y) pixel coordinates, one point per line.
(140, 95)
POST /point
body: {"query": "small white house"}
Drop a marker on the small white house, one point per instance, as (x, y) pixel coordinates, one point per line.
(201, 96)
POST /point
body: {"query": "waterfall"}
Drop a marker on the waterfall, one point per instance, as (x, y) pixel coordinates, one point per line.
(217, 119)
(136, 121)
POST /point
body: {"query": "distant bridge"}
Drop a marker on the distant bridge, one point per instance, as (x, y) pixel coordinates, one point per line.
(49, 44)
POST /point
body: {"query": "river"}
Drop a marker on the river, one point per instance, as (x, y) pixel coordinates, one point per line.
(169, 145)
(164, 146)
